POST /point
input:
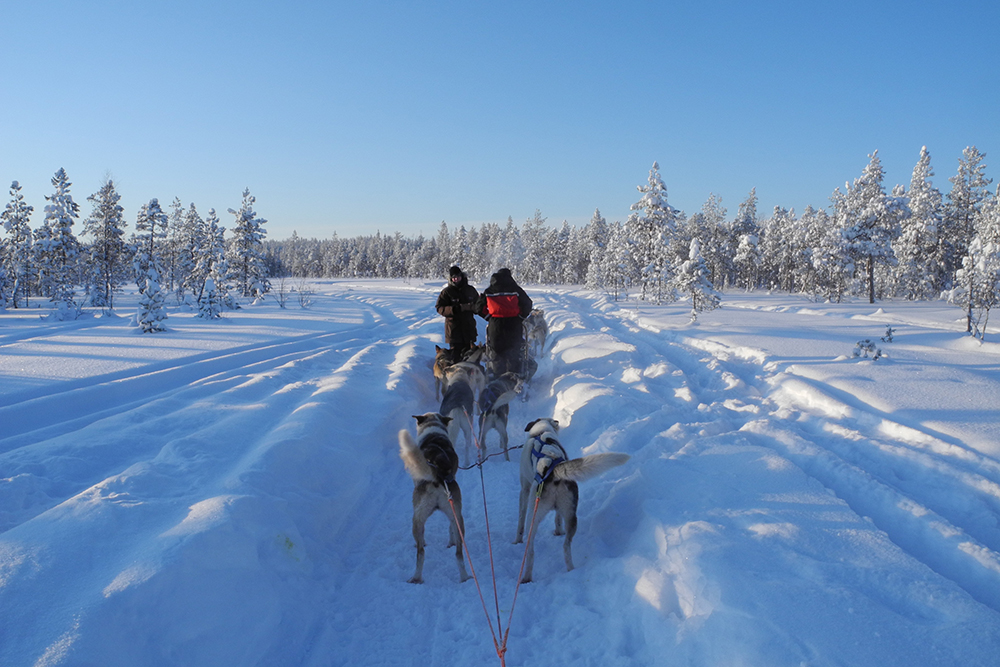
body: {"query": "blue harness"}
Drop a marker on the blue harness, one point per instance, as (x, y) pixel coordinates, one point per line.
(537, 453)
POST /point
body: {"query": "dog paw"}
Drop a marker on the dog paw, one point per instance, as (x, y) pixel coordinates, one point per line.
(414, 580)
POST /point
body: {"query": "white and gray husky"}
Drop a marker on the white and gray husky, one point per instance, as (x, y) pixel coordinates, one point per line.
(494, 408)
(458, 404)
(544, 461)
(432, 463)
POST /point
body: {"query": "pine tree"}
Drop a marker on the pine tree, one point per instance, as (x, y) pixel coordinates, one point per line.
(189, 237)
(533, 235)
(17, 247)
(57, 248)
(652, 228)
(246, 258)
(831, 257)
(108, 252)
(969, 194)
(596, 234)
(979, 278)
(919, 250)
(151, 313)
(746, 240)
(619, 265)
(868, 221)
(970, 190)
(150, 231)
(692, 281)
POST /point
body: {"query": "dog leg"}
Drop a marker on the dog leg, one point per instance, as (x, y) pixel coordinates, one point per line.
(522, 510)
(559, 526)
(457, 524)
(529, 558)
(420, 515)
(567, 512)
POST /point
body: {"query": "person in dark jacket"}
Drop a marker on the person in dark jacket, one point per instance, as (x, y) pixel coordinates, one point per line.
(456, 304)
(504, 305)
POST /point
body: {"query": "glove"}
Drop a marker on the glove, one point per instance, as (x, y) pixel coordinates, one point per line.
(468, 307)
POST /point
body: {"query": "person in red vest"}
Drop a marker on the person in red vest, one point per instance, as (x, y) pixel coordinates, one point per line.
(504, 305)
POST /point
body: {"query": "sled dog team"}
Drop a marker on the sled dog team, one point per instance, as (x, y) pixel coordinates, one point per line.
(432, 461)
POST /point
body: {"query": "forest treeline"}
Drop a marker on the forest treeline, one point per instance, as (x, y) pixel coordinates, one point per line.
(911, 242)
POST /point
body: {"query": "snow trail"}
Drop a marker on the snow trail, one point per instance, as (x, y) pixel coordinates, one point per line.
(248, 506)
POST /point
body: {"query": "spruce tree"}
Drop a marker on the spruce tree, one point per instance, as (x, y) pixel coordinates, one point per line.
(57, 248)
(652, 228)
(17, 246)
(246, 251)
(108, 251)
(918, 249)
(692, 281)
(868, 221)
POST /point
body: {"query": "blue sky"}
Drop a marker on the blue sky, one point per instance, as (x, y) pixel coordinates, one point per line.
(393, 116)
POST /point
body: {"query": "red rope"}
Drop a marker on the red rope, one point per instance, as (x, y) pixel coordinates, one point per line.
(501, 648)
(531, 530)
(461, 534)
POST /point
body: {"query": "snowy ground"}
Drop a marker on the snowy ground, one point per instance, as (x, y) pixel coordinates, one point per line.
(231, 493)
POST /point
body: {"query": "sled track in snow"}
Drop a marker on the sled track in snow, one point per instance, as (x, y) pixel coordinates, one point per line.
(936, 499)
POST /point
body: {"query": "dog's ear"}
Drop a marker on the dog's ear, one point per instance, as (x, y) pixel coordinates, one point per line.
(445, 420)
(420, 419)
(555, 424)
(530, 424)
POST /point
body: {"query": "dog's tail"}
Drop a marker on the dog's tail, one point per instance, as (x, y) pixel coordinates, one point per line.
(413, 458)
(587, 467)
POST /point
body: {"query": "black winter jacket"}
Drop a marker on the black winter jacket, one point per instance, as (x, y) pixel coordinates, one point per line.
(504, 334)
(459, 325)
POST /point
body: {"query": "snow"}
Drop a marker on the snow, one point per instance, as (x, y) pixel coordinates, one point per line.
(230, 492)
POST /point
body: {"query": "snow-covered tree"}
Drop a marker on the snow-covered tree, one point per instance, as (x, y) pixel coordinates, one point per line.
(868, 221)
(189, 237)
(533, 235)
(692, 281)
(17, 250)
(969, 194)
(920, 273)
(597, 236)
(246, 250)
(651, 228)
(57, 248)
(108, 250)
(970, 190)
(151, 313)
(831, 258)
(150, 232)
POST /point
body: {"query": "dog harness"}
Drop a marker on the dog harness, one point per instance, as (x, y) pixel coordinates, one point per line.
(546, 455)
(446, 477)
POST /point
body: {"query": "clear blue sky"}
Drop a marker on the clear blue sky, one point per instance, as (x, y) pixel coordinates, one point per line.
(393, 116)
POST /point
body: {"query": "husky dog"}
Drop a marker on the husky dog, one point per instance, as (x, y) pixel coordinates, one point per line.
(544, 462)
(535, 331)
(471, 372)
(432, 463)
(494, 408)
(458, 405)
(443, 358)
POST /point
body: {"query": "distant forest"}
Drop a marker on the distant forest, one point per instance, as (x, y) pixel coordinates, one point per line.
(908, 242)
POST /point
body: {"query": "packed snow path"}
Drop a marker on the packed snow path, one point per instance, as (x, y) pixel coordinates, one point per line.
(784, 504)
